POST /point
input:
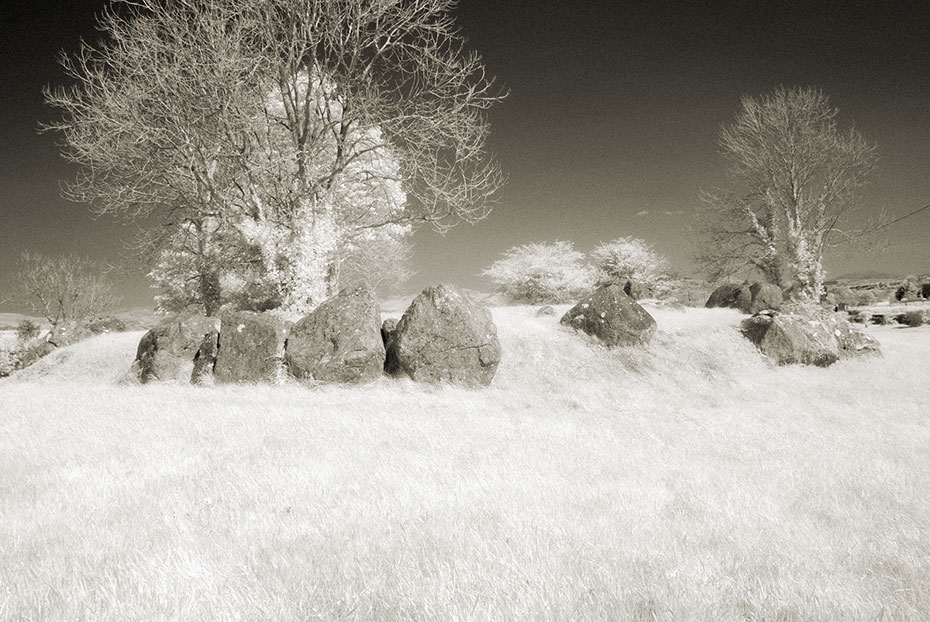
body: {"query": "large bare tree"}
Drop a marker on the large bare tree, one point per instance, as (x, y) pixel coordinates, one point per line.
(795, 175)
(292, 128)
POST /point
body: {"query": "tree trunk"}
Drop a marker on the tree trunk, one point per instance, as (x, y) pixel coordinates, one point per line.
(210, 291)
(312, 274)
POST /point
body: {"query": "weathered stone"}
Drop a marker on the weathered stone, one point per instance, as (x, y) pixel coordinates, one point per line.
(613, 317)
(251, 348)
(792, 338)
(205, 359)
(762, 296)
(854, 341)
(167, 351)
(748, 298)
(546, 310)
(729, 296)
(445, 335)
(340, 341)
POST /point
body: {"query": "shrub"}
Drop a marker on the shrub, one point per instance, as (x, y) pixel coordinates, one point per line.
(26, 330)
(633, 259)
(905, 290)
(7, 362)
(911, 318)
(542, 273)
(842, 295)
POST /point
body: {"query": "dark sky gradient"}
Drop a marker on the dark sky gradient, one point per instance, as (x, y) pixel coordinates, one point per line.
(613, 111)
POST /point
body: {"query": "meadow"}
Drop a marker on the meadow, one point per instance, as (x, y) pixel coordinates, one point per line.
(688, 480)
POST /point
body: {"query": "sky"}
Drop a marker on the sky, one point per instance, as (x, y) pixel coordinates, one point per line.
(610, 128)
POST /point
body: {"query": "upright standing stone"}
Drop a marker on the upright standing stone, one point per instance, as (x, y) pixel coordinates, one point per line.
(167, 351)
(251, 348)
(340, 341)
(446, 336)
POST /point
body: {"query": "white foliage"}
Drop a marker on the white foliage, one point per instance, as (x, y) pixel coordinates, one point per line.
(541, 272)
(630, 258)
(302, 247)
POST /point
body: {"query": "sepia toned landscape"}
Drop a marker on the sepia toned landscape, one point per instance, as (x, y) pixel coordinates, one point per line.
(690, 480)
(436, 310)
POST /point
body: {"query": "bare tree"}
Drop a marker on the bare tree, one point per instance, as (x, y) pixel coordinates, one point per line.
(65, 288)
(795, 177)
(291, 125)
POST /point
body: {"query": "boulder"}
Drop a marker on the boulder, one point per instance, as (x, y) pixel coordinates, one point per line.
(792, 338)
(167, 351)
(748, 297)
(205, 358)
(340, 341)
(251, 348)
(728, 296)
(546, 310)
(613, 317)
(444, 335)
(809, 338)
(762, 296)
(854, 341)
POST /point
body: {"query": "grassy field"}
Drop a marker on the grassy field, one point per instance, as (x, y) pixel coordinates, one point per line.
(689, 480)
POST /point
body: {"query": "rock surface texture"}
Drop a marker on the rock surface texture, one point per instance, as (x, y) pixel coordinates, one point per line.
(762, 296)
(807, 338)
(205, 359)
(613, 317)
(251, 348)
(445, 335)
(340, 341)
(748, 298)
(727, 296)
(167, 351)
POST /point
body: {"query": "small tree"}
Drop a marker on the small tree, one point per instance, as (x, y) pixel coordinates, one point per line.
(795, 176)
(538, 273)
(65, 288)
(905, 290)
(633, 259)
(26, 330)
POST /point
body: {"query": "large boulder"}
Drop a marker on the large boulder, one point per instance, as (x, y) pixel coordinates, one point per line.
(748, 297)
(807, 338)
(613, 317)
(762, 296)
(251, 348)
(854, 341)
(729, 296)
(792, 338)
(445, 335)
(340, 341)
(168, 350)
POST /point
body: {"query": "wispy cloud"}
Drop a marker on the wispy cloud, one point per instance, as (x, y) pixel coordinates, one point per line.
(677, 212)
(642, 213)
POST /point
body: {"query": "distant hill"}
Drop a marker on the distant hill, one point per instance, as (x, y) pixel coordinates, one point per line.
(863, 275)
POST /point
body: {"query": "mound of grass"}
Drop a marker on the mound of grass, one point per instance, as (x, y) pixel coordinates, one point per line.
(689, 480)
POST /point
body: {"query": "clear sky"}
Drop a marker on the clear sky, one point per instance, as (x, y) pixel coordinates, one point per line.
(610, 128)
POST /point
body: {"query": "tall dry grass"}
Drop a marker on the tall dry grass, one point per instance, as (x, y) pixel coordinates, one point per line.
(686, 481)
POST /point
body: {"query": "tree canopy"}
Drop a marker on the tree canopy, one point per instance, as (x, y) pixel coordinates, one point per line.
(267, 137)
(795, 175)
